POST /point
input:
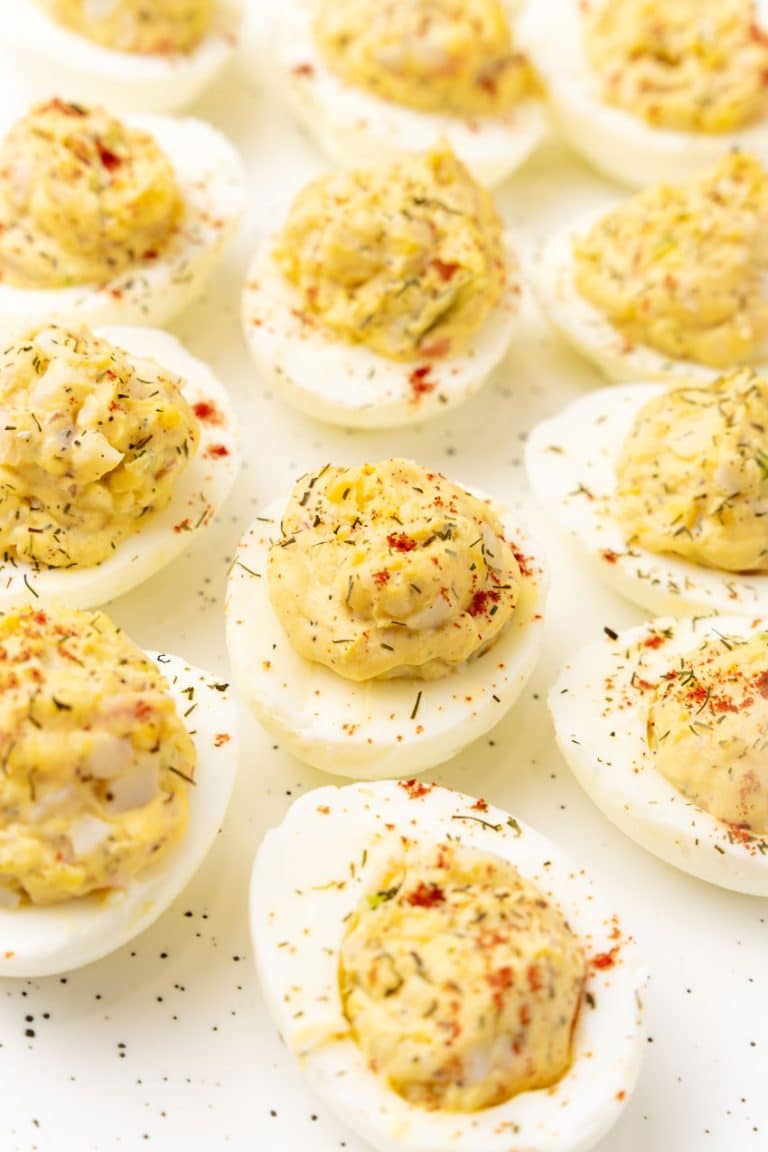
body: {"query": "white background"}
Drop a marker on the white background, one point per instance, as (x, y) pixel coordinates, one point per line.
(166, 1044)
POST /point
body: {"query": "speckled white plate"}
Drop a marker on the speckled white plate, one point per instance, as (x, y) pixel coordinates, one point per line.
(166, 1044)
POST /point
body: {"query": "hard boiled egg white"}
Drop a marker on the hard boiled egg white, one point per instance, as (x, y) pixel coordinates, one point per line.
(55, 60)
(622, 146)
(587, 328)
(308, 878)
(350, 384)
(377, 728)
(200, 491)
(211, 180)
(354, 127)
(571, 462)
(39, 941)
(600, 709)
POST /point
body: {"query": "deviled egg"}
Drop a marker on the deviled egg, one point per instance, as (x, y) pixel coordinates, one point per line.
(443, 975)
(671, 284)
(382, 618)
(389, 294)
(651, 90)
(116, 449)
(128, 55)
(372, 78)
(107, 222)
(108, 801)
(666, 491)
(666, 727)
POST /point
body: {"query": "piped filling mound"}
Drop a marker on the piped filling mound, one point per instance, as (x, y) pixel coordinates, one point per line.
(460, 981)
(95, 759)
(708, 730)
(83, 197)
(454, 56)
(406, 259)
(683, 268)
(391, 570)
(695, 65)
(149, 27)
(692, 476)
(91, 444)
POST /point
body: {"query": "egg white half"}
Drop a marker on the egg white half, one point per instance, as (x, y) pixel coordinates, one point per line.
(55, 60)
(587, 328)
(352, 126)
(571, 462)
(211, 179)
(350, 385)
(198, 494)
(308, 877)
(614, 141)
(378, 728)
(600, 716)
(40, 941)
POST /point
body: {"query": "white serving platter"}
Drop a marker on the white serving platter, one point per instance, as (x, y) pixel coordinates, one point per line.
(166, 1044)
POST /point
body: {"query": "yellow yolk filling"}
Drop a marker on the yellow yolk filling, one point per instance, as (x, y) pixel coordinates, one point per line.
(454, 56)
(683, 268)
(82, 198)
(94, 757)
(693, 474)
(406, 259)
(91, 444)
(461, 983)
(391, 570)
(694, 65)
(153, 27)
(708, 730)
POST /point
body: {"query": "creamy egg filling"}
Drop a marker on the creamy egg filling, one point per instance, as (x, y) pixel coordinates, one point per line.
(708, 729)
(391, 570)
(95, 759)
(406, 259)
(154, 27)
(91, 444)
(460, 981)
(684, 268)
(454, 56)
(82, 198)
(696, 65)
(692, 475)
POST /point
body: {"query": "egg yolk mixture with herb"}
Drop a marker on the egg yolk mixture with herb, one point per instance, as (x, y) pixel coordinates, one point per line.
(693, 65)
(391, 570)
(95, 759)
(461, 983)
(91, 443)
(454, 56)
(708, 730)
(693, 474)
(153, 27)
(406, 259)
(683, 268)
(82, 198)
